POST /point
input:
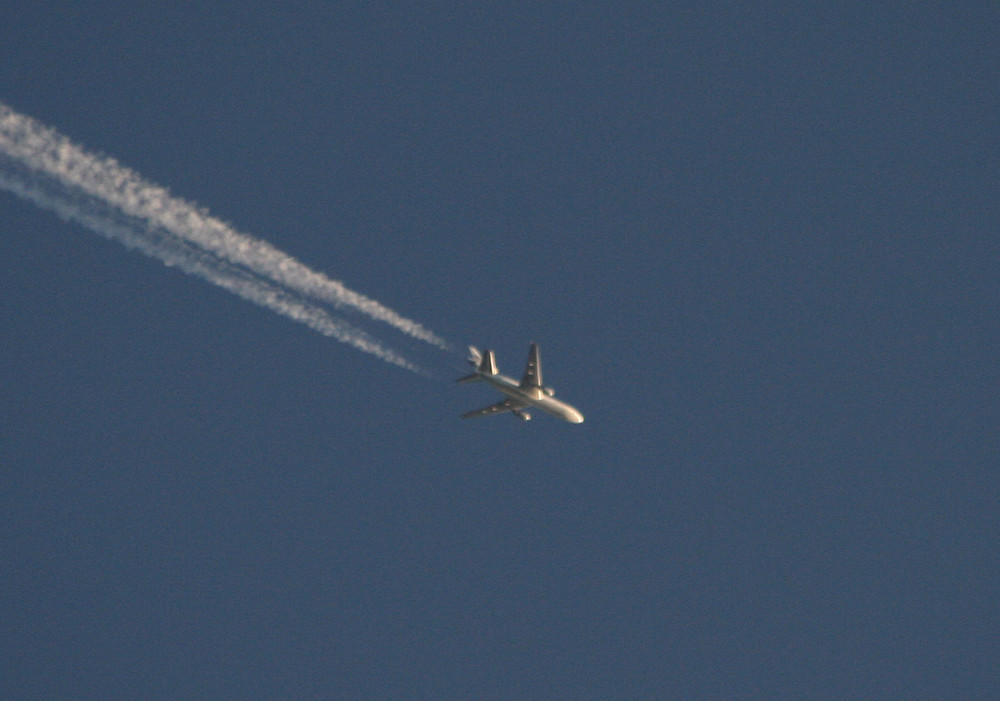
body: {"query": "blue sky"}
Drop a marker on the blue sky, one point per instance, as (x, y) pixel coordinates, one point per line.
(756, 243)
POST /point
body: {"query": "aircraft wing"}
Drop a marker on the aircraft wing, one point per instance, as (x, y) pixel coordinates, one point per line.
(505, 405)
(533, 369)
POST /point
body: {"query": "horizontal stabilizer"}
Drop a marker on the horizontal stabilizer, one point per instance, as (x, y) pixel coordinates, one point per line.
(485, 364)
(488, 365)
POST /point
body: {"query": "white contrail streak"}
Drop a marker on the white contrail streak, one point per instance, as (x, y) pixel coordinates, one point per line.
(46, 168)
(45, 151)
(175, 252)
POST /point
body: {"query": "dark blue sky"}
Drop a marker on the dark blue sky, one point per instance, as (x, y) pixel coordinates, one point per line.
(757, 244)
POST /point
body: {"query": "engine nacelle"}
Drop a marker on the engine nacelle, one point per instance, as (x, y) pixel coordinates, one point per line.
(549, 391)
(523, 415)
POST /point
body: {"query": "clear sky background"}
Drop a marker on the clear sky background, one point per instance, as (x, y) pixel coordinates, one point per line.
(757, 243)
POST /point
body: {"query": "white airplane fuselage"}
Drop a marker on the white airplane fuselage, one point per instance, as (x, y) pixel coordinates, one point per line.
(534, 396)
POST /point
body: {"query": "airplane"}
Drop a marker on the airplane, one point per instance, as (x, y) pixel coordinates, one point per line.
(529, 392)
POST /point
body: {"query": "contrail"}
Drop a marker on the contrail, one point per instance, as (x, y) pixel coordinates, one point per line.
(48, 169)
(175, 252)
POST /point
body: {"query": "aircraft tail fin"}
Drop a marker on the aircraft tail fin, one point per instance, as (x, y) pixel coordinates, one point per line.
(488, 364)
(485, 364)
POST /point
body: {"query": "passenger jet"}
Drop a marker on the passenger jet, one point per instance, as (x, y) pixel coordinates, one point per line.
(530, 392)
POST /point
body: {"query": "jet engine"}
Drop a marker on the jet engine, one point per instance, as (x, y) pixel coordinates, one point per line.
(523, 415)
(549, 391)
